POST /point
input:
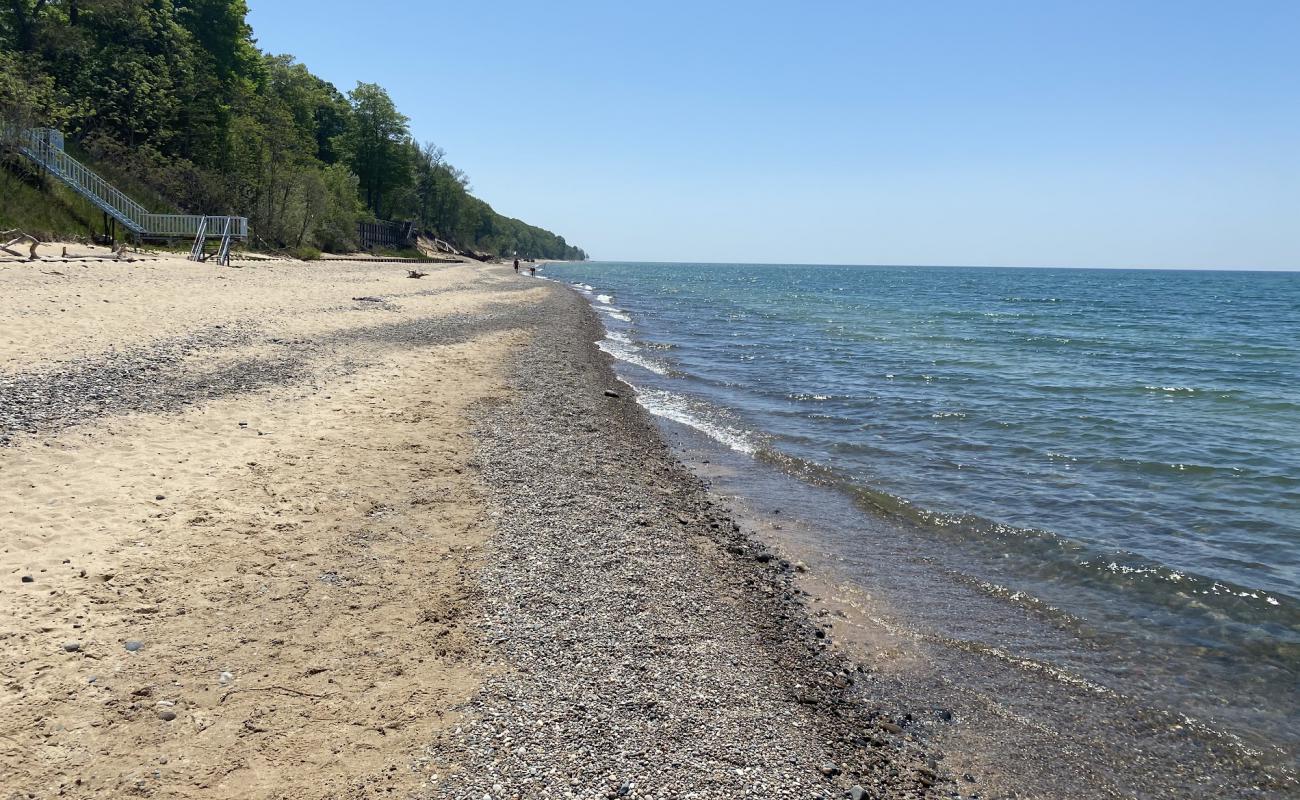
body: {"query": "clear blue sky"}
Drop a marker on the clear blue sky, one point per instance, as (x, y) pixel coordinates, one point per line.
(1135, 133)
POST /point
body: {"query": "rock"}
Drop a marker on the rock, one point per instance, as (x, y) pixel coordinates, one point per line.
(159, 497)
(226, 677)
(72, 647)
(612, 393)
(132, 645)
(856, 793)
(799, 566)
(28, 579)
(890, 727)
(829, 769)
(166, 715)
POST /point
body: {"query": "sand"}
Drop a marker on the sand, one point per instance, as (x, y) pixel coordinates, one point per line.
(260, 595)
(324, 531)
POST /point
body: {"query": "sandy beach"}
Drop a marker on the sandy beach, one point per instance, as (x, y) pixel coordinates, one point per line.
(322, 530)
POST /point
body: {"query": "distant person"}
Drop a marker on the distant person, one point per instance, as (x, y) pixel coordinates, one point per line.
(516, 265)
(532, 270)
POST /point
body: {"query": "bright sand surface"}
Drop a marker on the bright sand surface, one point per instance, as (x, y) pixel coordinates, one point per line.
(294, 562)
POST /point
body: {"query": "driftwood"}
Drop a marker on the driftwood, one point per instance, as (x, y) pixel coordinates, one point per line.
(21, 237)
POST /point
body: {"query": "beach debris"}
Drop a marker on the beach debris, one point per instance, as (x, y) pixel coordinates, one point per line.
(369, 299)
(415, 273)
(72, 646)
(612, 393)
(17, 239)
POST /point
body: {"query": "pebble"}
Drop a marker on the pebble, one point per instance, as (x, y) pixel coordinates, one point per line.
(28, 579)
(72, 646)
(166, 715)
(612, 393)
(637, 650)
(132, 645)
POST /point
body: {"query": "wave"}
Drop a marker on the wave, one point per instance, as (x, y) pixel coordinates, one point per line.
(622, 348)
(1047, 553)
(614, 313)
(683, 410)
(604, 298)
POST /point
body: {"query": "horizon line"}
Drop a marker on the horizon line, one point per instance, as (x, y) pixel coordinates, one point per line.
(942, 266)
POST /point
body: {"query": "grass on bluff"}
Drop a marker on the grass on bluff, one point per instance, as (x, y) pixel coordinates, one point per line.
(48, 212)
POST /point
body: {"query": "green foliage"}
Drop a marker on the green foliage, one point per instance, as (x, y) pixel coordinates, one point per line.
(173, 100)
(376, 143)
(43, 209)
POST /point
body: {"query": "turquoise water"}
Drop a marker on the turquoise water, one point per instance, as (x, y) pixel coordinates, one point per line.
(1122, 446)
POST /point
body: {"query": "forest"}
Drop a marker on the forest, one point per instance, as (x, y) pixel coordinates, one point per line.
(173, 99)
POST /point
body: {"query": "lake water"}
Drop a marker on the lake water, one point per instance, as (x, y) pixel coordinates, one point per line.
(1117, 452)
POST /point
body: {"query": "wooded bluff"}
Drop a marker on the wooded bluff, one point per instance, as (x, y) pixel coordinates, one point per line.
(173, 101)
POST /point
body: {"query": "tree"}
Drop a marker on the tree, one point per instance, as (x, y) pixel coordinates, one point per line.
(376, 145)
(21, 18)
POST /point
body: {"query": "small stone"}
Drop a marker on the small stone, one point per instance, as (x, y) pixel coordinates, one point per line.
(132, 645)
(226, 677)
(890, 727)
(28, 579)
(799, 566)
(612, 393)
(159, 497)
(829, 769)
(166, 715)
(857, 793)
(72, 647)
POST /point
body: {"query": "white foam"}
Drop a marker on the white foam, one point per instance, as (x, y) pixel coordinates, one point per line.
(624, 350)
(678, 409)
(604, 298)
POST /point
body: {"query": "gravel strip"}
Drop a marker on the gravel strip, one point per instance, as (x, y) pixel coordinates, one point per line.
(161, 376)
(650, 648)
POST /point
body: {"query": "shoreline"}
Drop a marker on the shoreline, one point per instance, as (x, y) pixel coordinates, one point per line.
(803, 723)
(375, 535)
(1024, 725)
(261, 524)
